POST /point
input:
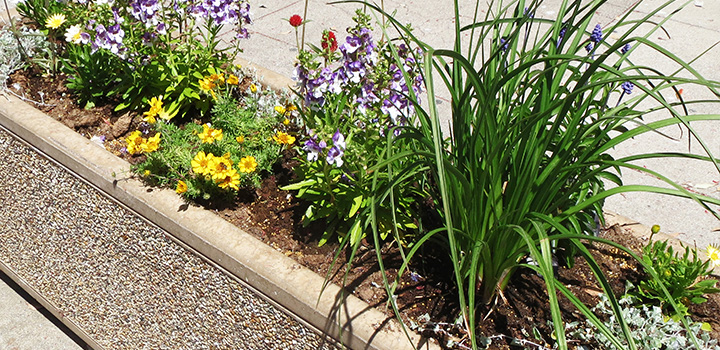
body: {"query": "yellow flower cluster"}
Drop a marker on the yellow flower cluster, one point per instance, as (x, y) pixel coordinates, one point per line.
(283, 138)
(156, 110)
(137, 144)
(210, 135)
(220, 169)
(209, 83)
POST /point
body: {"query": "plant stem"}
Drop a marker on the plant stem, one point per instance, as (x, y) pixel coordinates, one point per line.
(302, 45)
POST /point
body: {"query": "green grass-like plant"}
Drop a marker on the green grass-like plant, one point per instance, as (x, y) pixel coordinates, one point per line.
(536, 104)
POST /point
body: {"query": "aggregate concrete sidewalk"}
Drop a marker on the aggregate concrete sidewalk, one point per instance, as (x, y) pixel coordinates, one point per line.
(125, 283)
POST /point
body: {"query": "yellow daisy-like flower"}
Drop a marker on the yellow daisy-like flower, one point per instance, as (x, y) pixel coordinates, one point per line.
(147, 173)
(253, 88)
(55, 21)
(240, 139)
(713, 253)
(286, 121)
(233, 79)
(134, 140)
(210, 135)
(151, 145)
(219, 167)
(155, 109)
(231, 179)
(247, 164)
(283, 138)
(201, 163)
(280, 110)
(181, 187)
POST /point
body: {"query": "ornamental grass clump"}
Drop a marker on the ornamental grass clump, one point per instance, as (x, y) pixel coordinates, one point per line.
(536, 104)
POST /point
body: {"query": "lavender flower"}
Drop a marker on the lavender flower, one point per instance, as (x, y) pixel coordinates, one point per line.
(589, 47)
(596, 35)
(627, 87)
(313, 148)
(334, 156)
(625, 49)
(335, 153)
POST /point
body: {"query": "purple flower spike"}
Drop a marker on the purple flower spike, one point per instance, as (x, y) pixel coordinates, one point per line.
(596, 35)
(627, 87)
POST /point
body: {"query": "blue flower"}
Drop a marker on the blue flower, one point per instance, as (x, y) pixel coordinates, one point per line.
(589, 47)
(627, 87)
(596, 35)
(625, 49)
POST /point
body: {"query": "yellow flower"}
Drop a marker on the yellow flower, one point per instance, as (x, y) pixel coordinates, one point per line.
(210, 135)
(219, 167)
(217, 77)
(207, 85)
(200, 164)
(147, 173)
(283, 138)
(55, 21)
(253, 88)
(280, 110)
(155, 109)
(152, 144)
(231, 178)
(233, 79)
(134, 140)
(240, 139)
(286, 121)
(713, 253)
(291, 108)
(247, 164)
(181, 187)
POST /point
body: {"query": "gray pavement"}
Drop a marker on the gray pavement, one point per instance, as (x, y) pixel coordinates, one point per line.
(26, 325)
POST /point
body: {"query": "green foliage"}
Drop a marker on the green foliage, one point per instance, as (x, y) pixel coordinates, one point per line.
(38, 11)
(339, 118)
(536, 104)
(163, 54)
(15, 44)
(650, 329)
(683, 276)
(248, 129)
(93, 76)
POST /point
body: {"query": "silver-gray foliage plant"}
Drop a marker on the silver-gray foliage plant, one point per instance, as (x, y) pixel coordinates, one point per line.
(32, 41)
(649, 327)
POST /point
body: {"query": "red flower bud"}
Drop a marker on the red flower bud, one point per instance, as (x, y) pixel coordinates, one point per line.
(329, 41)
(295, 20)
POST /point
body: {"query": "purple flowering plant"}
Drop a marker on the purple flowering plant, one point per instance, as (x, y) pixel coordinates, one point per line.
(137, 49)
(353, 100)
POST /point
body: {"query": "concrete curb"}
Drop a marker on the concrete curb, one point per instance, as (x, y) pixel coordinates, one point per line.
(355, 323)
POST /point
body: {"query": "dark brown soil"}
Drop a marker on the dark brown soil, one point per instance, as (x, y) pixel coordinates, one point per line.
(273, 216)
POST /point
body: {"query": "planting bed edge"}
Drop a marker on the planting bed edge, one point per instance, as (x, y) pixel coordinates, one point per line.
(355, 323)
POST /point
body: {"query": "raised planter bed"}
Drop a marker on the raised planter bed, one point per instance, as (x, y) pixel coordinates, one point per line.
(277, 277)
